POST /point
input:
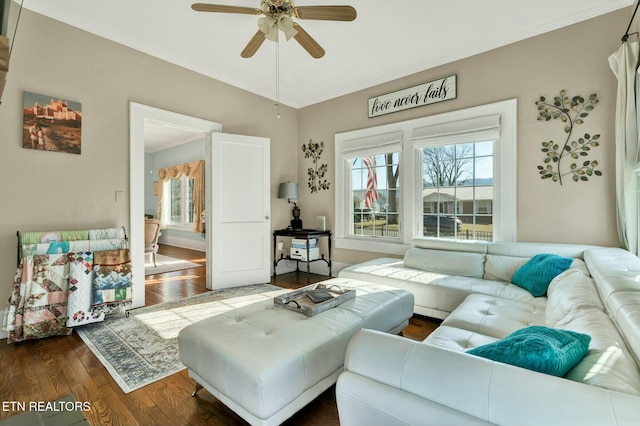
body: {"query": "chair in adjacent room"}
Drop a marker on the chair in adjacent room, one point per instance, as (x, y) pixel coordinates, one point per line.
(151, 235)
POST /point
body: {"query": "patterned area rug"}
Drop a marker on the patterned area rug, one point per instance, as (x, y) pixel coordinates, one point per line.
(166, 264)
(143, 348)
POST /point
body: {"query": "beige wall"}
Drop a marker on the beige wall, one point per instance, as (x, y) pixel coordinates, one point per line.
(54, 191)
(573, 58)
(49, 191)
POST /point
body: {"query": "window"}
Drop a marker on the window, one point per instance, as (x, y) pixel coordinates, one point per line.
(457, 190)
(181, 201)
(178, 195)
(450, 175)
(374, 196)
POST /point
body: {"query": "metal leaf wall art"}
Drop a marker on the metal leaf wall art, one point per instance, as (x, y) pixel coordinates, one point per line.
(572, 112)
(317, 172)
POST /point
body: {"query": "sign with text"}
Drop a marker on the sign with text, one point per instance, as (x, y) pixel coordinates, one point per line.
(427, 93)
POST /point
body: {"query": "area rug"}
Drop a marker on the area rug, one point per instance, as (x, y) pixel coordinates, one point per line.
(143, 348)
(66, 411)
(167, 264)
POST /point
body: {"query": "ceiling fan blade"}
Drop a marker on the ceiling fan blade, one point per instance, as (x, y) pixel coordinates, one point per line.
(307, 42)
(327, 13)
(204, 7)
(253, 45)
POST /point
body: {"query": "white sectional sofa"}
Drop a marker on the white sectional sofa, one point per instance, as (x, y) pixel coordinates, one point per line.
(397, 381)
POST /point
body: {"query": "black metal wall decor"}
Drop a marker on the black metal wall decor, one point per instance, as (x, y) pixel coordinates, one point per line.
(317, 172)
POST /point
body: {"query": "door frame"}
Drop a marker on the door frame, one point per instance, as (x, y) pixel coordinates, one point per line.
(138, 113)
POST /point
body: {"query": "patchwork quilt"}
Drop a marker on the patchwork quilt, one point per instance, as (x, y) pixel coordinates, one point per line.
(38, 303)
(112, 276)
(79, 305)
(67, 279)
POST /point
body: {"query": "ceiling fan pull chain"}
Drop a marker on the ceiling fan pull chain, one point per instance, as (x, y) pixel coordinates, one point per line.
(278, 73)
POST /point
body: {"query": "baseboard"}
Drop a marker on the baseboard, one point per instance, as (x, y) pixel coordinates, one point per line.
(183, 243)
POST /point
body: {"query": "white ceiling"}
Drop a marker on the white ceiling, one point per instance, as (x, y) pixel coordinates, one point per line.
(388, 39)
(159, 136)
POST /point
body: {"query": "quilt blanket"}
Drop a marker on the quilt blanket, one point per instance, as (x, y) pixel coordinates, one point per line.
(112, 276)
(72, 241)
(47, 237)
(80, 290)
(38, 301)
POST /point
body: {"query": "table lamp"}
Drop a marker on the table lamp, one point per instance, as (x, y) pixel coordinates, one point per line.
(289, 190)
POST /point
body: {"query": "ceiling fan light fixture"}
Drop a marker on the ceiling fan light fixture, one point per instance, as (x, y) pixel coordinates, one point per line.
(270, 27)
(267, 25)
(277, 7)
(285, 23)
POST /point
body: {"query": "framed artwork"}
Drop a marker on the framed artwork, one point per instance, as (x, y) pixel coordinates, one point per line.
(51, 124)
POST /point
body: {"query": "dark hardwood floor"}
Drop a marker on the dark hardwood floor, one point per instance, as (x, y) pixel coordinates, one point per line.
(48, 369)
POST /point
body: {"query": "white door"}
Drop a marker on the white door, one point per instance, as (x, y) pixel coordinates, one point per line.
(238, 228)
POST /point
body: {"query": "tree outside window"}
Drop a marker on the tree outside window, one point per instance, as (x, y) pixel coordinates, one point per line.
(457, 182)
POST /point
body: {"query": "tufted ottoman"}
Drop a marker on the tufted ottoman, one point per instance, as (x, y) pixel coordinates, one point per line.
(265, 362)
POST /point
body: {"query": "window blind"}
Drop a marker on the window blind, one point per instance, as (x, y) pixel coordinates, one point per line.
(372, 145)
(475, 129)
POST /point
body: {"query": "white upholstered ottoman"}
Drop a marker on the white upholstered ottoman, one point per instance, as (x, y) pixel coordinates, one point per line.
(265, 362)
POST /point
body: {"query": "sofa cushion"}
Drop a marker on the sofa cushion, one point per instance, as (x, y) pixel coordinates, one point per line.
(457, 339)
(529, 249)
(494, 316)
(471, 246)
(538, 348)
(570, 291)
(616, 273)
(537, 273)
(445, 262)
(608, 364)
(626, 305)
(502, 268)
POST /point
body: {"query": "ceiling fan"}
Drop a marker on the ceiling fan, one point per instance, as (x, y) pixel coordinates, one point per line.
(278, 16)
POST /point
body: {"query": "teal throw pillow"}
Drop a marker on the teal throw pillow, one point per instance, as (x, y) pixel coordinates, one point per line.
(537, 273)
(538, 348)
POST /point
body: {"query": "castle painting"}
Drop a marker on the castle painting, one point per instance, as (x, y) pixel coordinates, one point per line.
(51, 124)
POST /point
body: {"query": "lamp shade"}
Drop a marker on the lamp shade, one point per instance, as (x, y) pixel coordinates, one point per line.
(288, 190)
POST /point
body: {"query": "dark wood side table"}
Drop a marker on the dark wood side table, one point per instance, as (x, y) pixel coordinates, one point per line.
(305, 234)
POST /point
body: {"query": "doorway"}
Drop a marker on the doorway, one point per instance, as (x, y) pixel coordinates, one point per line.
(139, 115)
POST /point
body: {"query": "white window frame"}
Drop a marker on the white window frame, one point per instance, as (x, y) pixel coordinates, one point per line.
(166, 197)
(372, 140)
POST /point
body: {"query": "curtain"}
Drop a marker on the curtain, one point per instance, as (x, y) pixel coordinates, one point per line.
(624, 64)
(4, 53)
(195, 170)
